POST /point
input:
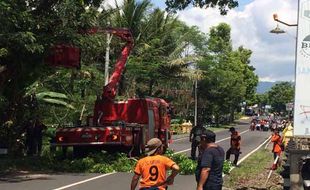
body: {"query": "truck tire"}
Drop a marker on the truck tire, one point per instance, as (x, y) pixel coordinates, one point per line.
(137, 150)
(139, 143)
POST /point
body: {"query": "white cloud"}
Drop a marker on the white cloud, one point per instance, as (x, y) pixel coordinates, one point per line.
(273, 55)
(111, 3)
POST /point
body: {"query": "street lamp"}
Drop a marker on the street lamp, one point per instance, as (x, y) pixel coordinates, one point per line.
(277, 30)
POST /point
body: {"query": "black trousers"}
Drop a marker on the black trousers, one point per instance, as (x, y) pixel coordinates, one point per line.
(194, 148)
(236, 152)
(217, 187)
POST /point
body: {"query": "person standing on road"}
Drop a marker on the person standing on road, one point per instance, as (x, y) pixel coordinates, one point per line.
(153, 168)
(235, 140)
(210, 164)
(194, 138)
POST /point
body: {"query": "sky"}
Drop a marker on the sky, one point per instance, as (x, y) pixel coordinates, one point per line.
(273, 55)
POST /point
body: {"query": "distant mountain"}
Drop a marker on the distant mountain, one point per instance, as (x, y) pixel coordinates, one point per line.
(264, 86)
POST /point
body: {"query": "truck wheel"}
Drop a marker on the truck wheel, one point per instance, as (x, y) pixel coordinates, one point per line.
(137, 150)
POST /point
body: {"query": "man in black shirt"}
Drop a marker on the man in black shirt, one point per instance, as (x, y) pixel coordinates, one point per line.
(194, 138)
(210, 164)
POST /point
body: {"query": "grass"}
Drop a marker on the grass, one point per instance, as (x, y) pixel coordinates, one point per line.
(253, 172)
(219, 128)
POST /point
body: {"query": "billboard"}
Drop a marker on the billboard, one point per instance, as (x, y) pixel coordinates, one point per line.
(302, 72)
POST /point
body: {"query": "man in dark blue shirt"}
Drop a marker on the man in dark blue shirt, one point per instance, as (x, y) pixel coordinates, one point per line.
(210, 164)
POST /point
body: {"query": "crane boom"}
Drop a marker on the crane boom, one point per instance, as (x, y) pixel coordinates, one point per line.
(109, 90)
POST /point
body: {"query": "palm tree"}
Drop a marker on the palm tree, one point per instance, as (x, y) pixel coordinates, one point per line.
(131, 14)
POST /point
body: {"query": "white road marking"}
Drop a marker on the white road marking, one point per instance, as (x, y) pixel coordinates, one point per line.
(186, 150)
(84, 181)
(249, 154)
(173, 140)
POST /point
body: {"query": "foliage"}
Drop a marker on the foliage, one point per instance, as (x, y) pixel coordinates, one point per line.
(279, 95)
(101, 168)
(187, 165)
(262, 99)
(30, 29)
(97, 163)
(227, 167)
(53, 98)
(123, 164)
(223, 5)
(228, 78)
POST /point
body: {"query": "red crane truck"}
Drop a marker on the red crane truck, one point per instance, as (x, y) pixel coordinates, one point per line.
(117, 125)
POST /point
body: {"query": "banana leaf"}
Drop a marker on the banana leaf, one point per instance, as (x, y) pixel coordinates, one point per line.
(57, 102)
(50, 94)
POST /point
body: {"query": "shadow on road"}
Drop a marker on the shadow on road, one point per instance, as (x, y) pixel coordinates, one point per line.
(21, 176)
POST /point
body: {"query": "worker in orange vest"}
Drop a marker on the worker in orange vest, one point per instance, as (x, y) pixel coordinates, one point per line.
(277, 141)
(235, 140)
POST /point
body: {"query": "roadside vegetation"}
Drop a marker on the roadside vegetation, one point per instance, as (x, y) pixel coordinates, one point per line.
(253, 172)
(93, 163)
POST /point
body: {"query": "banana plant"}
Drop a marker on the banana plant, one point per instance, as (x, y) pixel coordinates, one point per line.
(54, 98)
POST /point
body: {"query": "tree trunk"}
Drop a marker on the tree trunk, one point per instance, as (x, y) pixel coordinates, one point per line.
(151, 84)
(232, 114)
(71, 83)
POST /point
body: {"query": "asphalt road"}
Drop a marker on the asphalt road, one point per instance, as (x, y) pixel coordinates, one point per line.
(120, 181)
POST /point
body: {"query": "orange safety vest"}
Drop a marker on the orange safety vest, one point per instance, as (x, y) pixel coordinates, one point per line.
(276, 139)
(153, 170)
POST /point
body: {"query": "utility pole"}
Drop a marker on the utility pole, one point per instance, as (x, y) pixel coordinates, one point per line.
(196, 103)
(107, 58)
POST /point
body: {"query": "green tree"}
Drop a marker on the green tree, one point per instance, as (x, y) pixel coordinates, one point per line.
(279, 95)
(223, 5)
(228, 75)
(249, 77)
(29, 29)
(261, 99)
